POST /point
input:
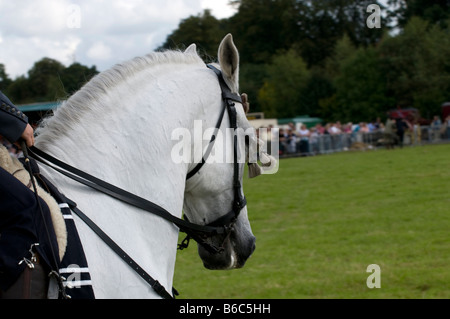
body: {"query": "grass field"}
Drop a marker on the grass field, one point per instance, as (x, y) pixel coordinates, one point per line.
(320, 221)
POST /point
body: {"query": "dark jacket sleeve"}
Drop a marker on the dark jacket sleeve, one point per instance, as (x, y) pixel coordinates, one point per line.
(12, 120)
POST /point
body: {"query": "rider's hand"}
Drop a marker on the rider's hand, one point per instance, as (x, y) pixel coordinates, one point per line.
(28, 135)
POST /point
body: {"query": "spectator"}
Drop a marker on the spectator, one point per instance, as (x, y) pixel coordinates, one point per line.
(314, 141)
(347, 129)
(436, 126)
(447, 122)
(334, 129)
(378, 124)
(401, 125)
(436, 121)
(291, 141)
(389, 136)
(364, 128)
(320, 129)
(283, 141)
(304, 140)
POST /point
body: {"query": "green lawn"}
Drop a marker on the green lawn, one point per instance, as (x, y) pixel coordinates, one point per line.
(320, 221)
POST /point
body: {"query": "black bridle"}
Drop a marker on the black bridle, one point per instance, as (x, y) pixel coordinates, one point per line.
(200, 233)
(239, 201)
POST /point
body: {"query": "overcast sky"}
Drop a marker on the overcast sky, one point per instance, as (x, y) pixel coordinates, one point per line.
(92, 32)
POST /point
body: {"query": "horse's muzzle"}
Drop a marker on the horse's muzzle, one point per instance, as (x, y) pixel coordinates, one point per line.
(232, 255)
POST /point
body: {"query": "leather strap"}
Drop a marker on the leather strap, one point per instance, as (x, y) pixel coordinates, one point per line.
(120, 194)
(208, 150)
(227, 96)
(159, 289)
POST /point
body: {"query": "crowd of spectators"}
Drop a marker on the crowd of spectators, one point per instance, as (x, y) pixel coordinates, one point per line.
(336, 136)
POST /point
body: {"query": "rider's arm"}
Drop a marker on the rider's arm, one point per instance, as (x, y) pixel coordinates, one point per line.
(13, 123)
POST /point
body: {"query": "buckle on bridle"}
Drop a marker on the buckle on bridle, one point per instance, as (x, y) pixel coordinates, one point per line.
(184, 243)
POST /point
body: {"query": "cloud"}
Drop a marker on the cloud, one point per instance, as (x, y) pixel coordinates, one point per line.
(220, 9)
(92, 32)
(99, 51)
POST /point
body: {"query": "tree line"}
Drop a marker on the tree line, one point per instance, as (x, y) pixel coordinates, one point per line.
(47, 80)
(320, 58)
(305, 57)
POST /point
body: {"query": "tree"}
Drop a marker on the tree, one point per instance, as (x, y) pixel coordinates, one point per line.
(264, 27)
(319, 86)
(342, 53)
(281, 95)
(5, 81)
(432, 11)
(361, 87)
(44, 80)
(321, 23)
(75, 76)
(343, 50)
(418, 75)
(251, 81)
(204, 30)
(19, 91)
(49, 80)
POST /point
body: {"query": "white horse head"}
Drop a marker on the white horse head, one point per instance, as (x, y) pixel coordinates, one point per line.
(118, 128)
(210, 194)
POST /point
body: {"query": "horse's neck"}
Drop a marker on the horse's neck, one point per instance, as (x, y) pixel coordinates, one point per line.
(131, 149)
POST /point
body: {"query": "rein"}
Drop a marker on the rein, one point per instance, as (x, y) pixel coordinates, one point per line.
(194, 230)
(200, 233)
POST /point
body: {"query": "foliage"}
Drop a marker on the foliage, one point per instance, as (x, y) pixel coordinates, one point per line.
(75, 76)
(361, 88)
(43, 79)
(5, 81)
(204, 30)
(434, 11)
(286, 79)
(418, 75)
(263, 27)
(324, 22)
(319, 87)
(251, 80)
(48, 80)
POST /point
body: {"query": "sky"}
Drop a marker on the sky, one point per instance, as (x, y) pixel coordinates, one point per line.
(91, 32)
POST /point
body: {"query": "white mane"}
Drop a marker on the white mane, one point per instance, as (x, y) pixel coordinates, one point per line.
(89, 97)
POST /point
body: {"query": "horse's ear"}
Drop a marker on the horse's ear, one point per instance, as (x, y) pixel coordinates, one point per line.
(191, 49)
(229, 60)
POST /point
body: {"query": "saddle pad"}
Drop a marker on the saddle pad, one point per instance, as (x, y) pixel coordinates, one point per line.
(73, 267)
